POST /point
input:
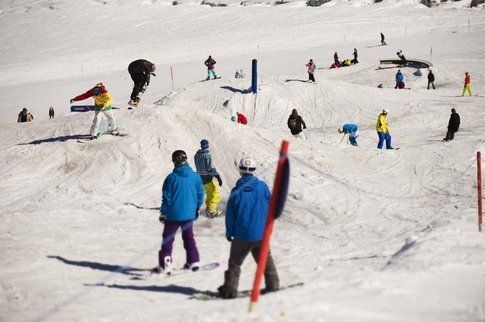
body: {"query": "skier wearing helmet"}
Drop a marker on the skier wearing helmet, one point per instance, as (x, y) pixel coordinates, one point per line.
(140, 71)
(102, 103)
(246, 214)
(383, 130)
(182, 196)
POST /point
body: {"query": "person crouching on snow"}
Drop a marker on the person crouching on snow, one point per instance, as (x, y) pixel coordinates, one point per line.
(352, 130)
(102, 103)
(182, 196)
(246, 212)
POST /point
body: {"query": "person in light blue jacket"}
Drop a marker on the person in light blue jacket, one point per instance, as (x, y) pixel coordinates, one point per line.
(352, 130)
(246, 212)
(182, 196)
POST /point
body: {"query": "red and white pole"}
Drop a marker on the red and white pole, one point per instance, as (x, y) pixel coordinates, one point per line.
(479, 187)
(273, 205)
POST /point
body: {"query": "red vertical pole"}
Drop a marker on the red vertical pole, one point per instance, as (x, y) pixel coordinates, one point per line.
(171, 76)
(263, 254)
(479, 184)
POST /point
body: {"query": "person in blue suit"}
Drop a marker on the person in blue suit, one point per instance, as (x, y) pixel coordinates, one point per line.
(246, 212)
(352, 130)
(399, 80)
(182, 196)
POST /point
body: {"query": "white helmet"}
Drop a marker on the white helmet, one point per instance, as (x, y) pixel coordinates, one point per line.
(385, 111)
(247, 166)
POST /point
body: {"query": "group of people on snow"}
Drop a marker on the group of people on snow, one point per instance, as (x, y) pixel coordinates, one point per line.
(346, 62)
(25, 116)
(182, 197)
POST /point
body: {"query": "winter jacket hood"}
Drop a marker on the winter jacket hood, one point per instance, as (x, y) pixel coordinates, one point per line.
(182, 194)
(295, 123)
(247, 209)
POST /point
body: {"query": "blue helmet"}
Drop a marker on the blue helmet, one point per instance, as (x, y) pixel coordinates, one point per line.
(204, 144)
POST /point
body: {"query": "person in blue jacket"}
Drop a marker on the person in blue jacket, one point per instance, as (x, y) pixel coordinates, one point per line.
(182, 196)
(246, 212)
(350, 129)
(399, 80)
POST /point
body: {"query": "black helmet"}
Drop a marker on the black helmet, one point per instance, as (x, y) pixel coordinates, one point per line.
(179, 157)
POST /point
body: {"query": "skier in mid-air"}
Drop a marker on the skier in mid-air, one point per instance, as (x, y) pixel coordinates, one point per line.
(207, 172)
(102, 103)
(182, 196)
(247, 209)
(140, 71)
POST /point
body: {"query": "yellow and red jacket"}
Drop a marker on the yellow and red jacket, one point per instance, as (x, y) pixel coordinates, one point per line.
(102, 100)
(381, 125)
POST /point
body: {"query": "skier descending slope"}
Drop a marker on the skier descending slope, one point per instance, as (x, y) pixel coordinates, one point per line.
(207, 172)
(182, 196)
(102, 102)
(140, 71)
(246, 214)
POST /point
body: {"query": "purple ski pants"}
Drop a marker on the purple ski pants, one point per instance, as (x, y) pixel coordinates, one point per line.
(169, 232)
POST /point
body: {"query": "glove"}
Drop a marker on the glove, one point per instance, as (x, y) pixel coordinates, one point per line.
(230, 239)
(72, 100)
(161, 218)
(197, 213)
(153, 74)
(219, 180)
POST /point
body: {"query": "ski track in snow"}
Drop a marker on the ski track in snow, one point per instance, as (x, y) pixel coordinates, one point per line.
(375, 235)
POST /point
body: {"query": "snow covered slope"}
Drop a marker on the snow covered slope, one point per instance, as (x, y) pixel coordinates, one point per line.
(375, 235)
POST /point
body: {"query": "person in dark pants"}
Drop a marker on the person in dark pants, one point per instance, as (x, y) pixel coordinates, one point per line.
(247, 209)
(51, 113)
(453, 125)
(356, 55)
(296, 125)
(383, 42)
(311, 70)
(140, 71)
(182, 196)
(431, 78)
(24, 116)
(335, 59)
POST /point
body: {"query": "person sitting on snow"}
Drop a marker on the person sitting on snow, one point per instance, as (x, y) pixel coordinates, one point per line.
(24, 116)
(352, 130)
(246, 213)
(241, 118)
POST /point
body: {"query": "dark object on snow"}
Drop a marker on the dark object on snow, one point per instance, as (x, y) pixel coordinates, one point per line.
(316, 3)
(453, 125)
(475, 3)
(383, 42)
(379, 86)
(431, 79)
(51, 113)
(416, 63)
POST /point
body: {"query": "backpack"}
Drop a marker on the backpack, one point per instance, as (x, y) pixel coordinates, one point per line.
(292, 123)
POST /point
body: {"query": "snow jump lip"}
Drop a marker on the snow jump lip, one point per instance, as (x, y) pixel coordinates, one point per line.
(416, 63)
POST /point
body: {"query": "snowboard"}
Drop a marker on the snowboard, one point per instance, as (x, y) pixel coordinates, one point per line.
(210, 295)
(182, 271)
(99, 136)
(206, 80)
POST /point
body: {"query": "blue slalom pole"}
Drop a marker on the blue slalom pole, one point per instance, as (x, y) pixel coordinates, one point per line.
(254, 77)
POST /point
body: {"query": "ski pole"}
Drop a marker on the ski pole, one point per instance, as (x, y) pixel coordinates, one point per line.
(345, 134)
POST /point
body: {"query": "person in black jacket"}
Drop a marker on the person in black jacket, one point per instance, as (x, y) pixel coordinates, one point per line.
(431, 78)
(140, 71)
(453, 125)
(295, 123)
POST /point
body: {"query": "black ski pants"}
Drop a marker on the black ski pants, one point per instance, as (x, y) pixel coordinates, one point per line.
(139, 80)
(311, 77)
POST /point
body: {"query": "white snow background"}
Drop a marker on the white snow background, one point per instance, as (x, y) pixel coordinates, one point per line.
(374, 235)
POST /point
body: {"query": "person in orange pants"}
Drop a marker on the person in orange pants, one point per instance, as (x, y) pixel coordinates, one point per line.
(468, 85)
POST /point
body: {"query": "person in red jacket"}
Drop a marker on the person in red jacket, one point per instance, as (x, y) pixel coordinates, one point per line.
(468, 85)
(241, 118)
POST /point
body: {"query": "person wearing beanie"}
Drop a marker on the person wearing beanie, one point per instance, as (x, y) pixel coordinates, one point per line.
(102, 103)
(182, 196)
(207, 172)
(247, 209)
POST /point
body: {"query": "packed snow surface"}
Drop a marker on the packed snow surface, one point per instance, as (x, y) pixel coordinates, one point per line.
(375, 235)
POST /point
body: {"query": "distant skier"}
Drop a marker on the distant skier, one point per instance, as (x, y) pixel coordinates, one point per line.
(210, 63)
(311, 69)
(182, 196)
(352, 130)
(400, 54)
(51, 113)
(24, 116)
(399, 80)
(453, 125)
(102, 103)
(246, 214)
(241, 119)
(207, 172)
(468, 85)
(356, 56)
(140, 71)
(383, 130)
(295, 124)
(431, 79)
(336, 60)
(383, 42)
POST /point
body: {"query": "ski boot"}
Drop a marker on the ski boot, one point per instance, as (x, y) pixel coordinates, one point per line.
(226, 292)
(166, 268)
(193, 267)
